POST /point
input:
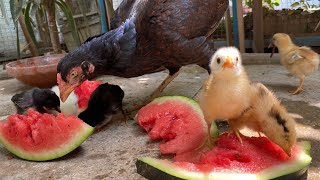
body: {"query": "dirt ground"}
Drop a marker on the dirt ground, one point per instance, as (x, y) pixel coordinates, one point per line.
(112, 152)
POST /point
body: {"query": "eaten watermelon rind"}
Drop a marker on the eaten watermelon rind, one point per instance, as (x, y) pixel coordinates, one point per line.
(74, 142)
(302, 161)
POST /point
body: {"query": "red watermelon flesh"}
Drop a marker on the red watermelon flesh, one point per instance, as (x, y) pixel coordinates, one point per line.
(41, 137)
(177, 121)
(253, 155)
(84, 91)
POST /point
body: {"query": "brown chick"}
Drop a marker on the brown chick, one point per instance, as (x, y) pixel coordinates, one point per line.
(228, 94)
(300, 61)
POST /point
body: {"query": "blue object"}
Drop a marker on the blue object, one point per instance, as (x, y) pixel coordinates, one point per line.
(235, 24)
(103, 16)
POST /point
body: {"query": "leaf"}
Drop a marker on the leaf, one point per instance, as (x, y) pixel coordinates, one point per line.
(295, 4)
(18, 40)
(34, 9)
(68, 13)
(290, 12)
(27, 21)
(16, 9)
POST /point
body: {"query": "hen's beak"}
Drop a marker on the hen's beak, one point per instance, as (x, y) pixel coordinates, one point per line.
(228, 63)
(65, 90)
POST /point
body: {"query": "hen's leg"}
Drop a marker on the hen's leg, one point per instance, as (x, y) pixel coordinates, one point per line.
(299, 88)
(173, 73)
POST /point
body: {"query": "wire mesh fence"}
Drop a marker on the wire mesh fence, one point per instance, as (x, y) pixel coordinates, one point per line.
(8, 40)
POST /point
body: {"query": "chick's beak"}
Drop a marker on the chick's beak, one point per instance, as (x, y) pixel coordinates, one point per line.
(271, 45)
(57, 109)
(228, 63)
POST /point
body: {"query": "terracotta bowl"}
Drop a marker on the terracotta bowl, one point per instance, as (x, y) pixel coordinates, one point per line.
(38, 71)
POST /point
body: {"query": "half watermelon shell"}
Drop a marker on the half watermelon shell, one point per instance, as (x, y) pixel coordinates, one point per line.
(255, 158)
(157, 169)
(42, 137)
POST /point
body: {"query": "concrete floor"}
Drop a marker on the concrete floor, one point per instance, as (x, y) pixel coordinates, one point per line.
(112, 152)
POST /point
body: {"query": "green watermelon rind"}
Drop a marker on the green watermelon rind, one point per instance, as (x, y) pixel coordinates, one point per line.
(72, 144)
(214, 131)
(183, 99)
(173, 172)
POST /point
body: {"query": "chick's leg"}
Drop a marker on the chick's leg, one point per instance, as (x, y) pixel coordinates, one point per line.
(172, 74)
(234, 129)
(299, 88)
(237, 133)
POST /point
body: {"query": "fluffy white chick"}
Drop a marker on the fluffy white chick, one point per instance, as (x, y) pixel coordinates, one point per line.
(228, 94)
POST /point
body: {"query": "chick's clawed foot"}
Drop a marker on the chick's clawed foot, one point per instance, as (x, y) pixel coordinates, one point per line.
(237, 133)
(125, 116)
(295, 92)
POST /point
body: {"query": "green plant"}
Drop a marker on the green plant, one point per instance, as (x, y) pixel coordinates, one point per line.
(268, 3)
(305, 6)
(46, 10)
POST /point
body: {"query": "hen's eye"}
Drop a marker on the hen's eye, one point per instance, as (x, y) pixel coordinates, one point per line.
(218, 60)
(73, 74)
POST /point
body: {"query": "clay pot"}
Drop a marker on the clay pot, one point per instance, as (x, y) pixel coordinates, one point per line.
(40, 71)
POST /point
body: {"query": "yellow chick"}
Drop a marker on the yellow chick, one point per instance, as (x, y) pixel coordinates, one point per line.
(300, 61)
(228, 94)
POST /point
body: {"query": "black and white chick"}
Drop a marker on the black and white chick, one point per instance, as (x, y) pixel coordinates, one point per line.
(42, 100)
(104, 102)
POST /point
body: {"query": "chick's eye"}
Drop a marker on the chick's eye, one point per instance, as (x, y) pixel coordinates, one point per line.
(237, 59)
(218, 60)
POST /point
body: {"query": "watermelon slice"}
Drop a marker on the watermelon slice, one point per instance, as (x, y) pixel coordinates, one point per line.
(84, 91)
(42, 137)
(177, 121)
(257, 158)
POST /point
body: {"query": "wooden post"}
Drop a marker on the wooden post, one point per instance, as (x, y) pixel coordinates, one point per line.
(228, 27)
(258, 38)
(240, 27)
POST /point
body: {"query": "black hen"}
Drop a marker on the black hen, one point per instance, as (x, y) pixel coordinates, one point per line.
(42, 100)
(103, 103)
(149, 36)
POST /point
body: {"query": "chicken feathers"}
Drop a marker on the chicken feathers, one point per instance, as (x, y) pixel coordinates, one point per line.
(228, 94)
(42, 100)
